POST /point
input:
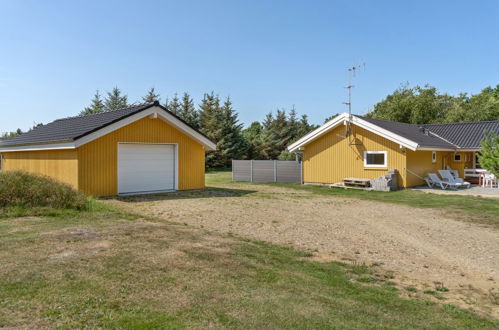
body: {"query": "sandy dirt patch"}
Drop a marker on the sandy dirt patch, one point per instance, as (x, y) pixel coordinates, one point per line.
(422, 248)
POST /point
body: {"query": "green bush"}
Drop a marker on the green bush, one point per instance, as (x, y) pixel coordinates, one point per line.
(21, 189)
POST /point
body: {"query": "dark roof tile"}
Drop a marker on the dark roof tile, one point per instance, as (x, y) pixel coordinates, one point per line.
(72, 128)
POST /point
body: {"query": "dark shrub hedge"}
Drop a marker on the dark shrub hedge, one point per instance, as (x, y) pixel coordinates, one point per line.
(29, 190)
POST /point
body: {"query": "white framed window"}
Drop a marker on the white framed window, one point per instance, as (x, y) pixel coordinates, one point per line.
(457, 157)
(375, 159)
(433, 156)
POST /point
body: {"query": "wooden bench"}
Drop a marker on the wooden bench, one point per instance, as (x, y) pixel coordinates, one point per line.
(356, 182)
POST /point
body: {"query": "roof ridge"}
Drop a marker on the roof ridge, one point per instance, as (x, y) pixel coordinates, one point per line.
(108, 111)
(464, 122)
(391, 121)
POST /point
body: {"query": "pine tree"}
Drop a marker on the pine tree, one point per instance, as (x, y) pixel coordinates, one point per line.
(151, 96)
(210, 118)
(115, 100)
(188, 112)
(209, 115)
(253, 136)
(97, 105)
(167, 104)
(174, 105)
(276, 135)
(231, 144)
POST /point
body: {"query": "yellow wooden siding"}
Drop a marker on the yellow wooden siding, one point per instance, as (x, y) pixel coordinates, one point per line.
(420, 162)
(466, 162)
(98, 159)
(331, 158)
(61, 165)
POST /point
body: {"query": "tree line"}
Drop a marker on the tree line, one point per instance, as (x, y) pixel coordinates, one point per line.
(425, 105)
(267, 139)
(218, 120)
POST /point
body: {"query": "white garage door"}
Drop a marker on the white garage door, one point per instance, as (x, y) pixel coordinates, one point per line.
(145, 168)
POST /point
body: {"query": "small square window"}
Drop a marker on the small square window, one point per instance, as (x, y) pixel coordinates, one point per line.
(433, 156)
(457, 157)
(375, 159)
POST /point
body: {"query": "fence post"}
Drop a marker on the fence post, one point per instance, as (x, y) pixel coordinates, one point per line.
(275, 170)
(251, 169)
(232, 166)
(301, 172)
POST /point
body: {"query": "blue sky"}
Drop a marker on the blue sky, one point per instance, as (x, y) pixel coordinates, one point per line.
(264, 54)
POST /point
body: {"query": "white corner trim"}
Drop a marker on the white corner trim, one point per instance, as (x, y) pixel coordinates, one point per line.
(357, 121)
(155, 112)
(35, 147)
(384, 165)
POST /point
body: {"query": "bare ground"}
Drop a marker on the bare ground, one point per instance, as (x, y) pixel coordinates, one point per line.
(425, 249)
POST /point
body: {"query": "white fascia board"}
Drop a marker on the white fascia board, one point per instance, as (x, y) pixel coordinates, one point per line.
(153, 111)
(318, 132)
(435, 149)
(35, 147)
(449, 149)
(357, 121)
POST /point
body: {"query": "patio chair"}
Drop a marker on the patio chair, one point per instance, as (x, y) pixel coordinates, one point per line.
(449, 177)
(433, 180)
(489, 179)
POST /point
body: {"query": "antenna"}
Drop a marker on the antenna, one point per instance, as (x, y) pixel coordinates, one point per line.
(351, 74)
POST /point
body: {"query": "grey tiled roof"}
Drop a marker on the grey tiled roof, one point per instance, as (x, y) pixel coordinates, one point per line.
(73, 128)
(411, 132)
(465, 135)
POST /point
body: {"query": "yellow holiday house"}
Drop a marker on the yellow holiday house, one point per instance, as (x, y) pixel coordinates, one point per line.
(352, 146)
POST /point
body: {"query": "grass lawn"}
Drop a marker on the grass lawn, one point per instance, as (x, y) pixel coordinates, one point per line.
(107, 268)
(468, 208)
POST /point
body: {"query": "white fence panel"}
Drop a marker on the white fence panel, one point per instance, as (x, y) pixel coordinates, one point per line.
(284, 171)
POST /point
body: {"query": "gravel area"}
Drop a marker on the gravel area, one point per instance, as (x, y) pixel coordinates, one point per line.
(420, 247)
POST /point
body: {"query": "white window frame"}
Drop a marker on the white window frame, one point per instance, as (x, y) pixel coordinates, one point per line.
(460, 158)
(433, 157)
(385, 164)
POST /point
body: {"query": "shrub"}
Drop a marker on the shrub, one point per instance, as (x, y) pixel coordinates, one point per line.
(21, 189)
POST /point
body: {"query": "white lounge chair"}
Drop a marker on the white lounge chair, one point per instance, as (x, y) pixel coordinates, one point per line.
(449, 177)
(435, 180)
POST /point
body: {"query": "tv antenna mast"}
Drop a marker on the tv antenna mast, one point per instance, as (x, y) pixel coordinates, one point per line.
(351, 74)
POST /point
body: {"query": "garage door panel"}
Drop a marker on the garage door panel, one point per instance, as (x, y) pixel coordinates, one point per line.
(145, 167)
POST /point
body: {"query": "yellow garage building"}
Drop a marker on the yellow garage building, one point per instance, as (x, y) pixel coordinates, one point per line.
(138, 149)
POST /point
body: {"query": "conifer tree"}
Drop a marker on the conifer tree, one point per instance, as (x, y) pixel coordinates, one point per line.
(96, 105)
(151, 96)
(231, 144)
(188, 112)
(276, 135)
(209, 114)
(115, 100)
(167, 104)
(210, 117)
(174, 105)
(253, 137)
